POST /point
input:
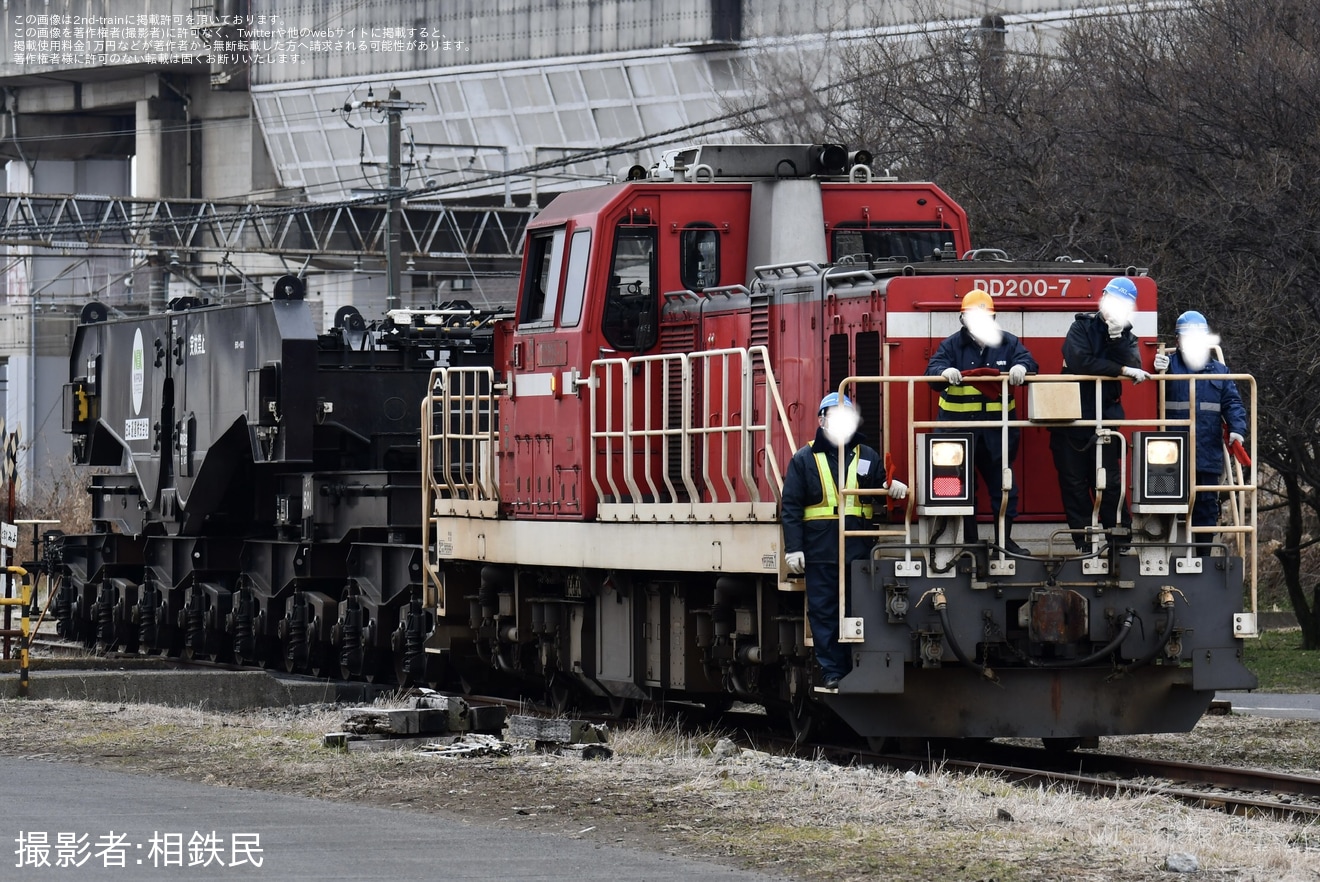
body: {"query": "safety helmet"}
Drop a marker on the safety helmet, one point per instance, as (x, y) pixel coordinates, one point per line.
(832, 400)
(1192, 321)
(1122, 287)
(976, 297)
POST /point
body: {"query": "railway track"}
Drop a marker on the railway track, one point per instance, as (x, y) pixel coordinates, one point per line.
(1238, 791)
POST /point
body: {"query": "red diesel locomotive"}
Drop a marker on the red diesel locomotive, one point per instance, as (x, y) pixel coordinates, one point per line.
(601, 503)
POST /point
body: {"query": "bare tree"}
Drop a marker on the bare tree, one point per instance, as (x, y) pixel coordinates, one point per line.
(1182, 137)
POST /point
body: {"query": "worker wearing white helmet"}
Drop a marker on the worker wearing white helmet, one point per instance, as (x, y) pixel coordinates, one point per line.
(809, 512)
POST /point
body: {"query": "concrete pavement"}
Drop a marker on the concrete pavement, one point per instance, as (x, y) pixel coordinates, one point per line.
(139, 827)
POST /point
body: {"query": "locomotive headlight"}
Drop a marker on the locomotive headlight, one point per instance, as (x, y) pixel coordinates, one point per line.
(947, 453)
(944, 463)
(1162, 451)
(1159, 473)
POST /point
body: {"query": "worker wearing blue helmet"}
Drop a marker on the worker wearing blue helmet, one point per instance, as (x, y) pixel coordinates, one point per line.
(1099, 343)
(1219, 407)
(809, 512)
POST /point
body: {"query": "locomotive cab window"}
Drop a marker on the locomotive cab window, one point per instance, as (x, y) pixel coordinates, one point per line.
(699, 257)
(540, 294)
(575, 281)
(889, 242)
(631, 308)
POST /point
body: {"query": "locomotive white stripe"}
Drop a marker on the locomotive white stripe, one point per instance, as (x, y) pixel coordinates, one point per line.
(938, 325)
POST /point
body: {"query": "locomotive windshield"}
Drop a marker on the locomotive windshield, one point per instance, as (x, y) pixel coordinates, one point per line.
(630, 321)
(891, 242)
(541, 287)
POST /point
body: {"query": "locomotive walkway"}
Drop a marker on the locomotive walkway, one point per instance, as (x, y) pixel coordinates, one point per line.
(178, 830)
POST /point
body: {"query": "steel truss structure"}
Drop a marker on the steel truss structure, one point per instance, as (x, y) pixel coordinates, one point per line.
(350, 229)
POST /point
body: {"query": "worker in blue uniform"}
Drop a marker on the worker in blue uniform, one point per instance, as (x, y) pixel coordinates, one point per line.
(1100, 343)
(981, 345)
(1218, 407)
(809, 512)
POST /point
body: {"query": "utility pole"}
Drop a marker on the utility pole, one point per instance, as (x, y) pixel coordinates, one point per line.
(393, 106)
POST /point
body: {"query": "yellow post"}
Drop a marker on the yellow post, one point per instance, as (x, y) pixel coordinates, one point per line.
(24, 638)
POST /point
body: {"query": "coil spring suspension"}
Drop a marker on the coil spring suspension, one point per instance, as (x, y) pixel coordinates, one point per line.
(414, 653)
(105, 615)
(147, 607)
(296, 653)
(62, 610)
(244, 638)
(350, 650)
(195, 631)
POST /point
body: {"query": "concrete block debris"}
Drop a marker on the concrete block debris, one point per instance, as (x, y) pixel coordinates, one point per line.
(569, 737)
(557, 731)
(407, 721)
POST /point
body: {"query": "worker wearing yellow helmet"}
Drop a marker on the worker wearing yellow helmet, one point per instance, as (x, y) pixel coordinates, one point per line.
(980, 346)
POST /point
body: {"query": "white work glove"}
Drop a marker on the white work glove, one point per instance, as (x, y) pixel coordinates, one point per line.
(1137, 374)
(797, 562)
(1017, 374)
(1161, 362)
(1234, 436)
(952, 376)
(897, 489)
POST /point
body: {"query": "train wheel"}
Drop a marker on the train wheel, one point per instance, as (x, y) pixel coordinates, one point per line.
(559, 694)
(803, 713)
(803, 717)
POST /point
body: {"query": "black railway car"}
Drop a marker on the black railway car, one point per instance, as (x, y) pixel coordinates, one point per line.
(255, 486)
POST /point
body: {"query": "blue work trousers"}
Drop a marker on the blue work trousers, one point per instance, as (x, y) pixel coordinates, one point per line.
(823, 611)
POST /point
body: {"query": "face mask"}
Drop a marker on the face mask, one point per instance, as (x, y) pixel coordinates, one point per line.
(982, 326)
(841, 423)
(1194, 346)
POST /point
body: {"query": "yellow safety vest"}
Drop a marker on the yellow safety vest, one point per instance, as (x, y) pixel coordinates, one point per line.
(969, 399)
(829, 506)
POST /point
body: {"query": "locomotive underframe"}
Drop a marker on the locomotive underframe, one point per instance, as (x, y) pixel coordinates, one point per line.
(694, 614)
(1023, 638)
(549, 607)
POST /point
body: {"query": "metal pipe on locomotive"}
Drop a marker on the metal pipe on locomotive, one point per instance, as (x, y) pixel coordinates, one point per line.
(598, 478)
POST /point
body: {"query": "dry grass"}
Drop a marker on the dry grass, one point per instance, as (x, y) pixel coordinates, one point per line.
(666, 791)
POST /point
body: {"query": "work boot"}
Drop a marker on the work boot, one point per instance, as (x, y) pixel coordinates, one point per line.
(1008, 544)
